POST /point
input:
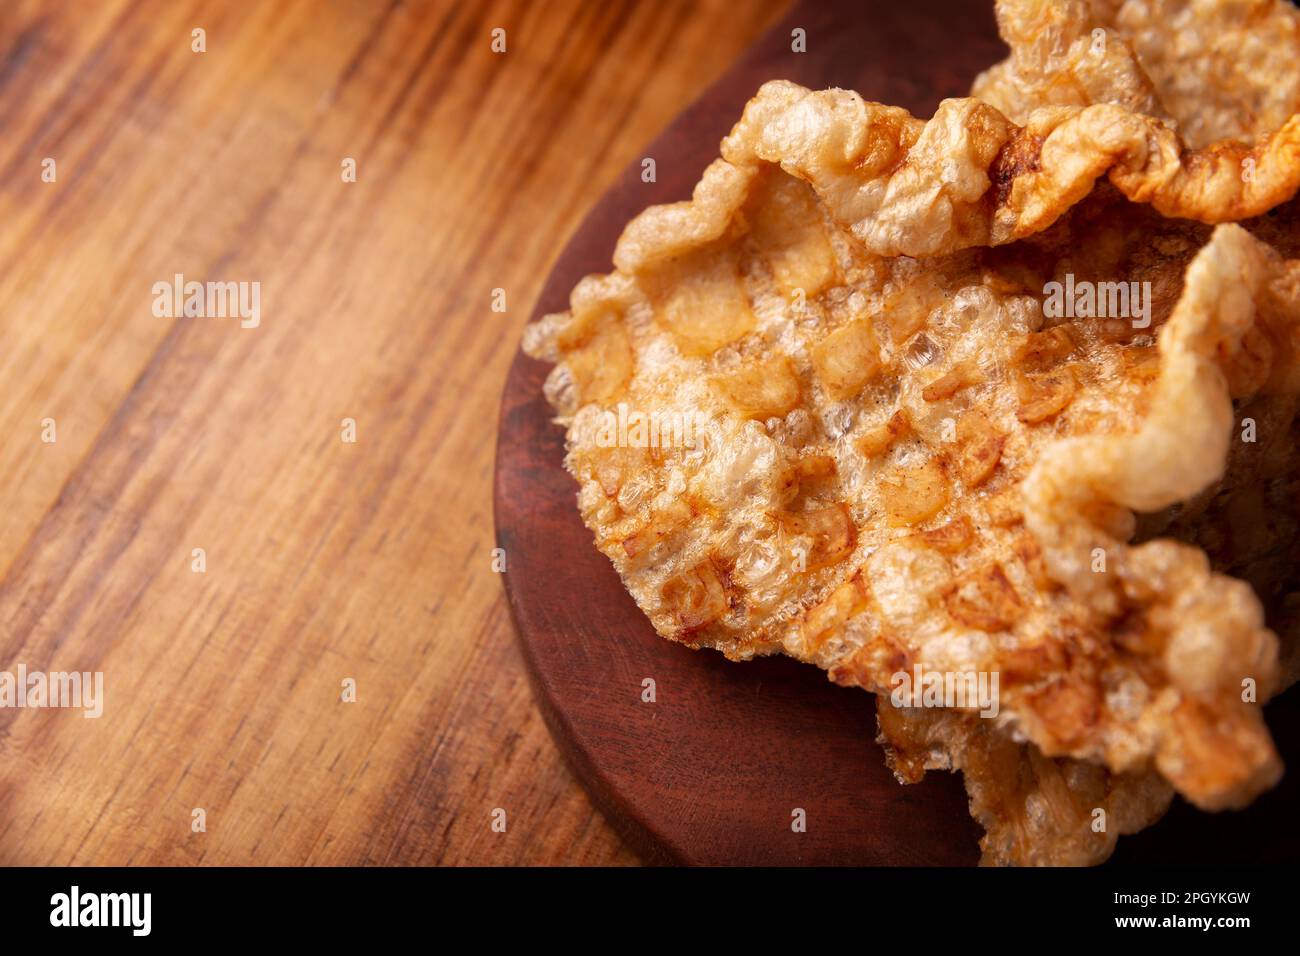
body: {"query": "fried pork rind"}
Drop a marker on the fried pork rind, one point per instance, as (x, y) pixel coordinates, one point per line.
(1062, 55)
(1035, 810)
(1238, 297)
(888, 468)
(1214, 69)
(969, 176)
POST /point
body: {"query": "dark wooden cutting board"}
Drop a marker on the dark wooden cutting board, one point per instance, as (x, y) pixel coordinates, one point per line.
(713, 771)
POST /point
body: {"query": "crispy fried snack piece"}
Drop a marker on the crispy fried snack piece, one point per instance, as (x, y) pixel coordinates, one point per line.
(875, 462)
(968, 177)
(1208, 638)
(1214, 69)
(1035, 810)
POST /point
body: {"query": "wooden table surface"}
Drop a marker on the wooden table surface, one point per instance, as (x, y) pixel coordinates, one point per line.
(324, 560)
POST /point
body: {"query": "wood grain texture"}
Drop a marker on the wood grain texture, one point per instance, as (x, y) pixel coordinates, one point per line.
(325, 560)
